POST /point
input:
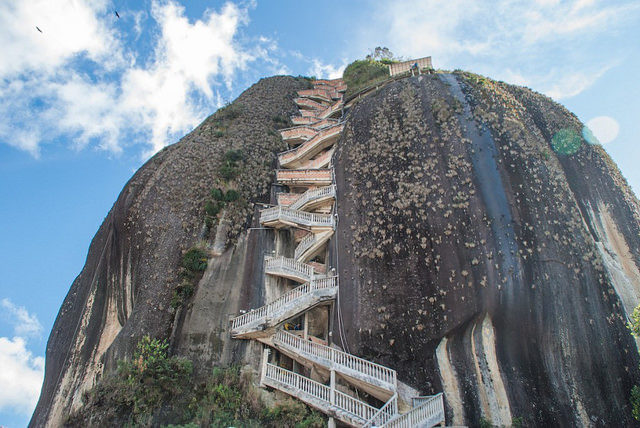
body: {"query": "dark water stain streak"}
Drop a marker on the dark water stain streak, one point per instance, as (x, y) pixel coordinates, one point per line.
(483, 157)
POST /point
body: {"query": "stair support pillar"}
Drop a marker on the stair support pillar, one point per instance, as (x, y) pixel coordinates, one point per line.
(331, 309)
(265, 359)
(332, 393)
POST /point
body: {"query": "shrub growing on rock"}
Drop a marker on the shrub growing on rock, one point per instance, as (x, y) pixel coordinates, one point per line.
(217, 194)
(213, 208)
(231, 195)
(233, 156)
(194, 260)
(151, 380)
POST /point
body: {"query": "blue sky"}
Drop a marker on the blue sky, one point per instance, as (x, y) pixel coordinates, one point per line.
(84, 103)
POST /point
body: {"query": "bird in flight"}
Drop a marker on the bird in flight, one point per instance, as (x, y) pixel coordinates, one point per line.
(38, 29)
(116, 12)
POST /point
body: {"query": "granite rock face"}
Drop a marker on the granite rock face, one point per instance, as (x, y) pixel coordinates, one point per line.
(473, 257)
(125, 288)
(477, 261)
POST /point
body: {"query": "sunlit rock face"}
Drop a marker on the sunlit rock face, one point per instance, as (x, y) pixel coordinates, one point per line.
(487, 251)
(125, 288)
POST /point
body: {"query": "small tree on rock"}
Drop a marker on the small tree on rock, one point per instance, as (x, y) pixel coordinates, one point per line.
(381, 54)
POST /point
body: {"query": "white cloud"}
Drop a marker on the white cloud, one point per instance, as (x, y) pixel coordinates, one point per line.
(326, 71)
(69, 28)
(604, 128)
(24, 323)
(81, 81)
(431, 27)
(449, 28)
(569, 85)
(547, 42)
(138, 18)
(88, 110)
(21, 376)
(187, 56)
(514, 77)
(556, 84)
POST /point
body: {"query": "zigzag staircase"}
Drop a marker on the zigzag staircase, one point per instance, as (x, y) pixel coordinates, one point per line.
(317, 373)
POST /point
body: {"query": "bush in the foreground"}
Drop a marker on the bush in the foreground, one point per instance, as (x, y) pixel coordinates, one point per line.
(230, 399)
(154, 389)
(150, 381)
(634, 326)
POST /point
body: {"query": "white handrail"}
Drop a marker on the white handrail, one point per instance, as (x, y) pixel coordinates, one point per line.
(323, 123)
(296, 132)
(330, 110)
(304, 384)
(318, 162)
(306, 102)
(307, 146)
(303, 120)
(286, 301)
(325, 94)
(312, 194)
(299, 217)
(286, 265)
(430, 413)
(384, 414)
(320, 392)
(297, 175)
(306, 243)
(354, 406)
(336, 358)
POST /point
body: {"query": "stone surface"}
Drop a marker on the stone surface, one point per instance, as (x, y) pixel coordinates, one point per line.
(125, 289)
(472, 258)
(471, 253)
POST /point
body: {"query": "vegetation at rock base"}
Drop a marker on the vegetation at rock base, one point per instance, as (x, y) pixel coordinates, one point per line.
(230, 399)
(635, 402)
(150, 381)
(634, 326)
(154, 389)
(484, 423)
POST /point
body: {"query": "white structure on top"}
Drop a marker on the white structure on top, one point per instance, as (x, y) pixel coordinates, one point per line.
(420, 64)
